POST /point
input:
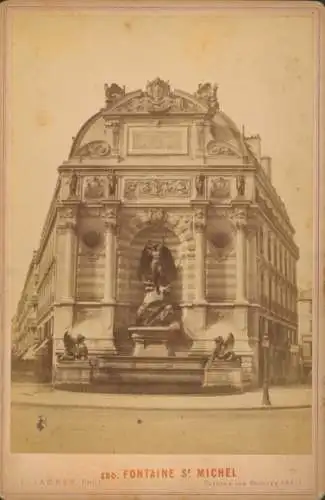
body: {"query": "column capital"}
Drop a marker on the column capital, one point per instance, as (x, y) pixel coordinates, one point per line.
(67, 225)
(199, 219)
(108, 214)
(67, 217)
(239, 218)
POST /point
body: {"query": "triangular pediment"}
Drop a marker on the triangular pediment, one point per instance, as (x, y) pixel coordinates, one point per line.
(159, 98)
(140, 102)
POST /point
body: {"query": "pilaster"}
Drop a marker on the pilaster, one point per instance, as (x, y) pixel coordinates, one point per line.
(109, 216)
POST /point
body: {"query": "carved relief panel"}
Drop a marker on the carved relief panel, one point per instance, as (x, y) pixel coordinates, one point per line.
(156, 188)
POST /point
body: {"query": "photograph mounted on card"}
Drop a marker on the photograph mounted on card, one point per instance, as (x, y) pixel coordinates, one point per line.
(163, 317)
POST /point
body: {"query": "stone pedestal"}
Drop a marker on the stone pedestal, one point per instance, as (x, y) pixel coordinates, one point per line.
(153, 341)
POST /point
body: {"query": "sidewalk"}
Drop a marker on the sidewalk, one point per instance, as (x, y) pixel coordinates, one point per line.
(28, 394)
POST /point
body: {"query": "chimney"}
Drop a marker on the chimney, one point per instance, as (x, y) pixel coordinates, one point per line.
(266, 163)
(254, 142)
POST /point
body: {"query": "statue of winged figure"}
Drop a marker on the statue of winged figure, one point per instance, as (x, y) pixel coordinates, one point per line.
(157, 265)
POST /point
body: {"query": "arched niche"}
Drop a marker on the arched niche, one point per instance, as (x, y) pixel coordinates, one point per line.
(130, 288)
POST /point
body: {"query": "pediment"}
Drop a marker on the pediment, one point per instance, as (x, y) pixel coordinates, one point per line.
(140, 102)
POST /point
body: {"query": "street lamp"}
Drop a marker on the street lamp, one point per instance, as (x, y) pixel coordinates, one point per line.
(266, 361)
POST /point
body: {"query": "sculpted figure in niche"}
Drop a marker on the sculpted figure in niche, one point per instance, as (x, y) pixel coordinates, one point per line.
(199, 185)
(73, 185)
(157, 265)
(241, 184)
(157, 270)
(112, 183)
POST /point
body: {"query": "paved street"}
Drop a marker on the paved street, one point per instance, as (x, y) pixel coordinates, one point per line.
(100, 430)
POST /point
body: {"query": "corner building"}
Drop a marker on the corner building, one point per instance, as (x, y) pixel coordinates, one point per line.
(161, 163)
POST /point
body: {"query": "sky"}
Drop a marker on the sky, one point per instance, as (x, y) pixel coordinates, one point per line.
(58, 62)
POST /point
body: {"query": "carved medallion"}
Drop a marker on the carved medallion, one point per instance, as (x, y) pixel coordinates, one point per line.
(219, 188)
(94, 149)
(130, 189)
(158, 93)
(94, 188)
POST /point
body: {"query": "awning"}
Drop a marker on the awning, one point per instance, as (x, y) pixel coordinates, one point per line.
(33, 350)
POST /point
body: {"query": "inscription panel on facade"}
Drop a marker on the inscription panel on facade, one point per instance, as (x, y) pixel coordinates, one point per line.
(158, 141)
(157, 187)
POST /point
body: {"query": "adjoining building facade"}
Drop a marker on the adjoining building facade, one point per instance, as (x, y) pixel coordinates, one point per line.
(305, 314)
(166, 165)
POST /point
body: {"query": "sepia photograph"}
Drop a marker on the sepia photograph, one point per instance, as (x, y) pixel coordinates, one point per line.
(160, 235)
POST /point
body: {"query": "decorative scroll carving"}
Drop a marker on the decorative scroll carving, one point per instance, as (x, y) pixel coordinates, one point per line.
(219, 187)
(94, 188)
(113, 92)
(216, 149)
(157, 188)
(94, 149)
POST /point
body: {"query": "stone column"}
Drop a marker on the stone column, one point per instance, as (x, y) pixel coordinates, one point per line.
(66, 256)
(109, 303)
(241, 264)
(110, 264)
(195, 317)
(200, 248)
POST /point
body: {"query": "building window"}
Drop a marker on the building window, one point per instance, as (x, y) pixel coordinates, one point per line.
(311, 326)
(261, 241)
(262, 287)
(307, 349)
(269, 249)
(275, 250)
